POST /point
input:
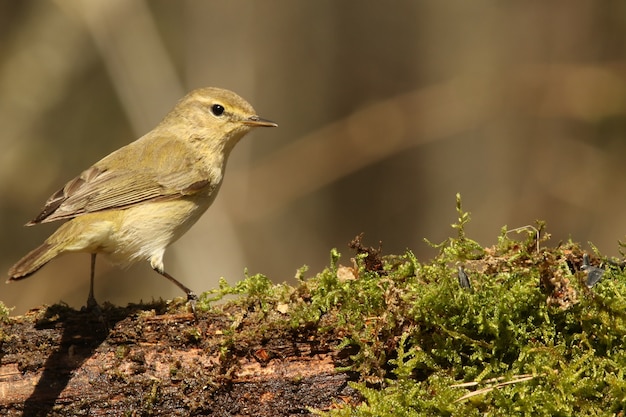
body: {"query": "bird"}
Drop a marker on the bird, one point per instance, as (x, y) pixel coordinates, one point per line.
(135, 202)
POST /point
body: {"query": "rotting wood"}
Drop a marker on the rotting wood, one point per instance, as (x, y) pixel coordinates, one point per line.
(64, 362)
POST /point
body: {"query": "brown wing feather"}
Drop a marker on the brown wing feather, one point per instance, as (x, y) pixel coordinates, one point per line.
(98, 189)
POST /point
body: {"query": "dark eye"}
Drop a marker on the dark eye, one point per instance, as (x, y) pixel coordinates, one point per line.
(217, 109)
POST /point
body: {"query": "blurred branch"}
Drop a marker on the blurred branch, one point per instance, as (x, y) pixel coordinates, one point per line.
(29, 90)
(143, 74)
(388, 127)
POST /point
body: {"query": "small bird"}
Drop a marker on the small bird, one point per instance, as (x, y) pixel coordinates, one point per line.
(135, 202)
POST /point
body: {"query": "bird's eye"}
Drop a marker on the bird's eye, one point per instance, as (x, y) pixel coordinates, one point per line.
(217, 109)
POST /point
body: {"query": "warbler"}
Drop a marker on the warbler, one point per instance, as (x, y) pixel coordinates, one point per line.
(135, 202)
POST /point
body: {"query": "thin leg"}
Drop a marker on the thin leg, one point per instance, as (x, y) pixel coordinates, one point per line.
(91, 300)
(191, 296)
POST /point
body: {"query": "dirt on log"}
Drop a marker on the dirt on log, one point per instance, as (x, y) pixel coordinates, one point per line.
(153, 360)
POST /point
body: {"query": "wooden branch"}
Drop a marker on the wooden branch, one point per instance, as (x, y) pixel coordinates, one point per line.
(133, 361)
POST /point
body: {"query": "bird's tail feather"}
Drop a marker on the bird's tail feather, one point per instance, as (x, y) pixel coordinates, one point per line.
(34, 260)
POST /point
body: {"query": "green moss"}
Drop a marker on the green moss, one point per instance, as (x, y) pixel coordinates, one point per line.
(528, 314)
(4, 312)
(528, 337)
(4, 318)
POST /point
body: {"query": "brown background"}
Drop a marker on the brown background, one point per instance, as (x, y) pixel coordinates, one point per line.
(386, 111)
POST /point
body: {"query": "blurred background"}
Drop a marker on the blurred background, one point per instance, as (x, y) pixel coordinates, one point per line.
(386, 111)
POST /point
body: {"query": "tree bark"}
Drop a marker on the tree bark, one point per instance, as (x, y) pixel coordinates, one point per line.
(144, 360)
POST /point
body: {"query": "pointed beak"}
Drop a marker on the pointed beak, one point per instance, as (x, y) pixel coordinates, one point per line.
(256, 121)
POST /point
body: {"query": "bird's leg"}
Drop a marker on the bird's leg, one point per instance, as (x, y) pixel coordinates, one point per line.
(92, 304)
(191, 296)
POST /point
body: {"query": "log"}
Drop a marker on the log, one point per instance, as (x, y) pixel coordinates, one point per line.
(158, 360)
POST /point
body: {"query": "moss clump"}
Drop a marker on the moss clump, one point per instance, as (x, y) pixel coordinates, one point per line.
(522, 335)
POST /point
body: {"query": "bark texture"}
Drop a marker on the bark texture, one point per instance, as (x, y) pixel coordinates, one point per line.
(144, 360)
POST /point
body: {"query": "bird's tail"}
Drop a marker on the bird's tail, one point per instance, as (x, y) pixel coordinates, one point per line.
(34, 260)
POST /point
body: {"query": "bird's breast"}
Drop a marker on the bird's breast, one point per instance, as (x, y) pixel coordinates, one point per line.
(147, 229)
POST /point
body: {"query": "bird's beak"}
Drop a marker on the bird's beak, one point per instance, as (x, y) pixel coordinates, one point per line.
(256, 121)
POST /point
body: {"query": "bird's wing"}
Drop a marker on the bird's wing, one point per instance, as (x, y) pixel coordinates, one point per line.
(152, 177)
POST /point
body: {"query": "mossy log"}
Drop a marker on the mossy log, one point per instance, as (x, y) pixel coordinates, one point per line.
(514, 328)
